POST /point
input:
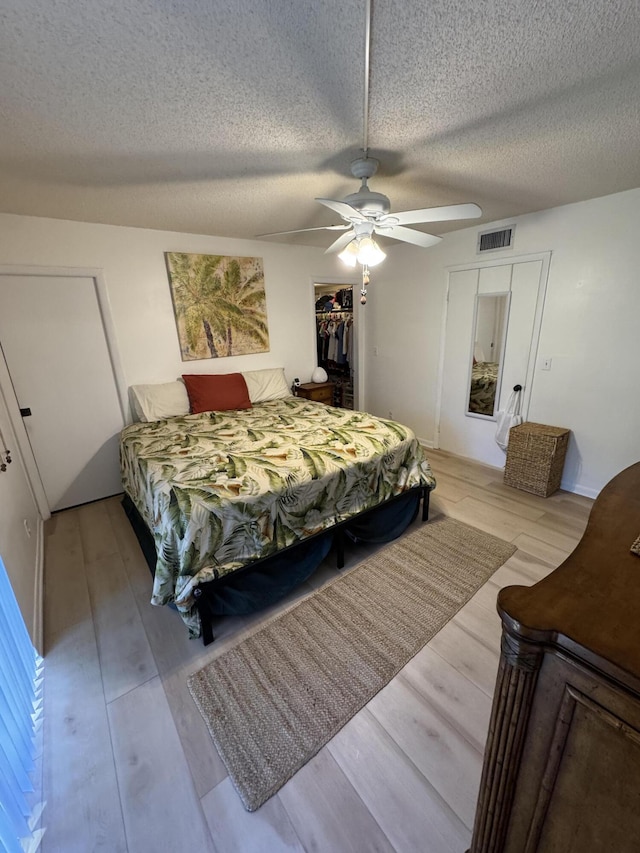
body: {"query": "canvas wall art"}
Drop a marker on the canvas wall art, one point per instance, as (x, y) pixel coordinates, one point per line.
(219, 304)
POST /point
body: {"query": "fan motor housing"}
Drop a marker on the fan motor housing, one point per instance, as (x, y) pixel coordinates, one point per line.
(368, 202)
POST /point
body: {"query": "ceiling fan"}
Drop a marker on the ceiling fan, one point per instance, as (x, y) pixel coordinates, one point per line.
(366, 213)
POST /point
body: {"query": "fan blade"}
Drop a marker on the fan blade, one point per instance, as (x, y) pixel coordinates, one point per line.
(409, 235)
(435, 214)
(301, 230)
(345, 210)
(341, 243)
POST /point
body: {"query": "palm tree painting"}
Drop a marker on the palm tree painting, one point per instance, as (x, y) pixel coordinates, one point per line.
(219, 303)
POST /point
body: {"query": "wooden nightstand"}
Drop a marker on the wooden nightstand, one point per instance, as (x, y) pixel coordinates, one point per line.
(321, 392)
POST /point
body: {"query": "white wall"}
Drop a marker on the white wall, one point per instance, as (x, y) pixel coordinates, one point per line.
(403, 316)
(589, 330)
(132, 261)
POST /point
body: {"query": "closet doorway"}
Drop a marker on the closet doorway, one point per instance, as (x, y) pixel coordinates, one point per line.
(337, 340)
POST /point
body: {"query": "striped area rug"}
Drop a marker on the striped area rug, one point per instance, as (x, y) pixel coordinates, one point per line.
(276, 698)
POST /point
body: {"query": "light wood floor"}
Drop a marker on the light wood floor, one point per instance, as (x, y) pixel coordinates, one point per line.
(128, 764)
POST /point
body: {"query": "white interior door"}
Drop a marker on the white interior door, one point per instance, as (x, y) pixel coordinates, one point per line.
(524, 280)
(54, 344)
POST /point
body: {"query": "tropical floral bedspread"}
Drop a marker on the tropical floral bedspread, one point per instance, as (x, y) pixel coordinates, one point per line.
(484, 379)
(220, 489)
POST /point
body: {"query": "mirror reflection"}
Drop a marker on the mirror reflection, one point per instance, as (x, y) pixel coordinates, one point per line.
(488, 351)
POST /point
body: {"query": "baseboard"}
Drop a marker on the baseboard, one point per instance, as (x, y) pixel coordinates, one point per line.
(497, 468)
(577, 489)
(425, 443)
(38, 592)
(574, 488)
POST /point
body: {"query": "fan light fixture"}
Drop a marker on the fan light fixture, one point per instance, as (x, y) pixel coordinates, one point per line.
(369, 253)
(349, 254)
(362, 250)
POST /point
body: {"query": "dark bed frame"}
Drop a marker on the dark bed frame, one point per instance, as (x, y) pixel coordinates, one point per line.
(205, 593)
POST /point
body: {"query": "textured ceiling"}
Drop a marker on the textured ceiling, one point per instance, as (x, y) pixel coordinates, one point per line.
(228, 118)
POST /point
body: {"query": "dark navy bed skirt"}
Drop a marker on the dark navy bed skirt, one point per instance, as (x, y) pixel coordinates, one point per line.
(256, 587)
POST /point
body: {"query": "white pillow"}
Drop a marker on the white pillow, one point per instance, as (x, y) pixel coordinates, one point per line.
(268, 384)
(156, 402)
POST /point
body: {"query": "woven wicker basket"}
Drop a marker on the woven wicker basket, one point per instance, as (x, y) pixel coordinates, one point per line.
(535, 458)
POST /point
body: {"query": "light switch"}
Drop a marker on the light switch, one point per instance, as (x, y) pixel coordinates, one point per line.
(546, 364)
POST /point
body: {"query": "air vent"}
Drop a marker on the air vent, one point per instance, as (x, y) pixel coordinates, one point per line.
(490, 241)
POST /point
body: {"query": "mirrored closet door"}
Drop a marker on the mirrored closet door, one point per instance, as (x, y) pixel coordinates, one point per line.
(494, 311)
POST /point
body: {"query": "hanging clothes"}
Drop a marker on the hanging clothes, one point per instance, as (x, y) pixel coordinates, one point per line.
(333, 334)
(335, 344)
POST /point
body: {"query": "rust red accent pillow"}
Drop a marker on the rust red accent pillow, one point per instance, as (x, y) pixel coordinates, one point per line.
(216, 392)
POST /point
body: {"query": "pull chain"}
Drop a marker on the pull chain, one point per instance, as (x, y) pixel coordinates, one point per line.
(365, 282)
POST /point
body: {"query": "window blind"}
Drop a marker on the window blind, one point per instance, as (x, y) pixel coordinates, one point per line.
(20, 711)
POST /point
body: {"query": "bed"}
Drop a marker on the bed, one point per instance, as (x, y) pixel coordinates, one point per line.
(220, 491)
(484, 379)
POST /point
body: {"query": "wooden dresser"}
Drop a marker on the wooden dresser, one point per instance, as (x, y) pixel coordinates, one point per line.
(562, 762)
(321, 392)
